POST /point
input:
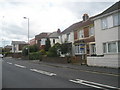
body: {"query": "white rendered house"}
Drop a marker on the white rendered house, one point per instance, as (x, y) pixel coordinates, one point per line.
(107, 30)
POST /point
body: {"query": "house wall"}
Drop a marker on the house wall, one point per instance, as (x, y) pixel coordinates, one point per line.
(43, 41)
(32, 41)
(64, 37)
(16, 48)
(107, 61)
(56, 41)
(102, 36)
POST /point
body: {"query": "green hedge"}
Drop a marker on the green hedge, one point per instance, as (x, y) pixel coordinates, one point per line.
(35, 56)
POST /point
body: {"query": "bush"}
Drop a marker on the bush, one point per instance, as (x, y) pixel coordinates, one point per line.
(54, 51)
(32, 48)
(42, 51)
(35, 56)
(25, 50)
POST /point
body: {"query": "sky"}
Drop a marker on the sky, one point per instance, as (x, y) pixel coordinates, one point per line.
(44, 16)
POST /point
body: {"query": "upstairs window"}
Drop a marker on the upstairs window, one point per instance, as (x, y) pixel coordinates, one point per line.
(91, 31)
(81, 34)
(104, 23)
(116, 19)
(68, 37)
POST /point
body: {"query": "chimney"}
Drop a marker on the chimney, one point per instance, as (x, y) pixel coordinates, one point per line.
(58, 31)
(85, 17)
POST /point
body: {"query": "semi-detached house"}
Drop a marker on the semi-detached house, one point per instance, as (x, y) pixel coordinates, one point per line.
(84, 39)
(107, 30)
(81, 37)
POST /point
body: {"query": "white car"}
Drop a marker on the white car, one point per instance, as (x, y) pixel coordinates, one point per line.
(1, 56)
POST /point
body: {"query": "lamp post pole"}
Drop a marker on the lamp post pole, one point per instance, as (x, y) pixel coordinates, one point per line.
(28, 33)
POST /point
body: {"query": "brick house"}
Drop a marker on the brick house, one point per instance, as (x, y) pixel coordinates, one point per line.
(84, 39)
(40, 39)
(32, 41)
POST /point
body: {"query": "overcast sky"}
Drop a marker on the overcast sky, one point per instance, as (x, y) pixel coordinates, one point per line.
(44, 16)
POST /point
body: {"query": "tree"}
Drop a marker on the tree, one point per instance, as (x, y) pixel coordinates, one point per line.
(47, 44)
(31, 48)
(54, 51)
(66, 48)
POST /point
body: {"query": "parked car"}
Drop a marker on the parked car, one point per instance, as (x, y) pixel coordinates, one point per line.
(1, 56)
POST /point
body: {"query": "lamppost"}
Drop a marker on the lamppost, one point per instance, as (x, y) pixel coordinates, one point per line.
(28, 33)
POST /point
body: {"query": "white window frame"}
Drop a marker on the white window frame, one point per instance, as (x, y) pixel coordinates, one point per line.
(107, 52)
(81, 34)
(78, 51)
(91, 31)
(117, 15)
(103, 22)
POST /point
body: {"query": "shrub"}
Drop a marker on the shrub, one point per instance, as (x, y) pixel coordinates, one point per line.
(35, 56)
(54, 51)
(42, 51)
(25, 50)
(47, 44)
(32, 48)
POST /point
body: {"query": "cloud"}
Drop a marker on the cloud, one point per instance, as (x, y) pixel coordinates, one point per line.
(44, 15)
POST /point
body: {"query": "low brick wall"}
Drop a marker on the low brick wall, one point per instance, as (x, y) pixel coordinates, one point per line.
(61, 59)
(16, 55)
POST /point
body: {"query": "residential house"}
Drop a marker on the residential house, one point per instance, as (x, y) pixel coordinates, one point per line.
(67, 36)
(40, 39)
(54, 37)
(84, 39)
(17, 46)
(32, 41)
(8, 48)
(107, 29)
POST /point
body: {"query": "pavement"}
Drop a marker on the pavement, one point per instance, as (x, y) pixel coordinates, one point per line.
(85, 68)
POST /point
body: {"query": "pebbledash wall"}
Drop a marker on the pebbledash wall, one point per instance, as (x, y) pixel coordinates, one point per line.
(107, 43)
(106, 61)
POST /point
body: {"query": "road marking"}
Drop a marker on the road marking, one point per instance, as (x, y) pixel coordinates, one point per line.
(19, 66)
(85, 84)
(9, 63)
(43, 72)
(96, 83)
(93, 84)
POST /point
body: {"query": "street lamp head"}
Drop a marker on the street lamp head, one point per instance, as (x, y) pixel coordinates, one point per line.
(25, 17)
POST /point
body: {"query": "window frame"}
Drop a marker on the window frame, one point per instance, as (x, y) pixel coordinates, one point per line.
(107, 51)
(81, 33)
(102, 23)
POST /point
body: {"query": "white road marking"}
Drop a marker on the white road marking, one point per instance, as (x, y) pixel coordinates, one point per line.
(97, 83)
(19, 66)
(9, 63)
(93, 84)
(43, 72)
(85, 84)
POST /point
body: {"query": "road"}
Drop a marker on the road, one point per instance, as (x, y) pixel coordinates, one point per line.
(25, 74)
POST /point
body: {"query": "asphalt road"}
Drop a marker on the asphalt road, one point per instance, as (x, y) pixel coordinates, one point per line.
(24, 74)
